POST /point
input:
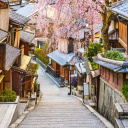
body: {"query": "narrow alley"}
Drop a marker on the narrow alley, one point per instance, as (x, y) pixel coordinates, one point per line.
(58, 110)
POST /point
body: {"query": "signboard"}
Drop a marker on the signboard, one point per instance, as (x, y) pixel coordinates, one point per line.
(86, 89)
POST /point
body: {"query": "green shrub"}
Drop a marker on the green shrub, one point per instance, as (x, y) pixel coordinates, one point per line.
(41, 54)
(94, 65)
(7, 96)
(92, 50)
(114, 55)
(125, 89)
(35, 86)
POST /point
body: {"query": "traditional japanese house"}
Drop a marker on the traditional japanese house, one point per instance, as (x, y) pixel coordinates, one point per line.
(92, 78)
(24, 41)
(59, 66)
(29, 10)
(27, 42)
(112, 75)
(81, 76)
(9, 56)
(17, 23)
(3, 38)
(4, 15)
(67, 55)
(121, 24)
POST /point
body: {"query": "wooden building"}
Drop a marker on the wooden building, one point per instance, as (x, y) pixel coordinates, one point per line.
(112, 76)
(9, 56)
(16, 24)
(81, 76)
(61, 64)
(121, 23)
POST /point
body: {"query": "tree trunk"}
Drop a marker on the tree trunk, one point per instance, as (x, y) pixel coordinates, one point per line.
(105, 39)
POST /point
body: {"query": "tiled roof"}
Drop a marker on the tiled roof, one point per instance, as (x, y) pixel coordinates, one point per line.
(11, 55)
(75, 60)
(27, 10)
(81, 67)
(17, 18)
(60, 57)
(26, 37)
(115, 68)
(121, 9)
(3, 34)
(15, 8)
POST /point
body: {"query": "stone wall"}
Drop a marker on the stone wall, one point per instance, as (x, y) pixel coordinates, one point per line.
(108, 96)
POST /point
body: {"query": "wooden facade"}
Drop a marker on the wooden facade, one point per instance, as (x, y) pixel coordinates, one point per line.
(16, 82)
(2, 56)
(115, 79)
(123, 35)
(4, 19)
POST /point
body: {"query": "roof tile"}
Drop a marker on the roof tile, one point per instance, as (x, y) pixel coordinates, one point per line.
(17, 18)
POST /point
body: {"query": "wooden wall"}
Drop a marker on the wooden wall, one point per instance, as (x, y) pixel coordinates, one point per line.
(61, 70)
(8, 79)
(26, 49)
(15, 82)
(53, 64)
(2, 56)
(66, 72)
(17, 38)
(4, 19)
(115, 79)
(123, 35)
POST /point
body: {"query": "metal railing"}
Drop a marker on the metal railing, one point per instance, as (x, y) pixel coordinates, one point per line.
(54, 73)
(42, 64)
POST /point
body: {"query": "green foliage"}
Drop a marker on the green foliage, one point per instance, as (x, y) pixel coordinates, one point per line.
(41, 54)
(94, 65)
(35, 86)
(125, 89)
(92, 50)
(114, 55)
(33, 68)
(7, 96)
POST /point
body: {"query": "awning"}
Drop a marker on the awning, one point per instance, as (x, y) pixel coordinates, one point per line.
(27, 37)
(1, 78)
(24, 61)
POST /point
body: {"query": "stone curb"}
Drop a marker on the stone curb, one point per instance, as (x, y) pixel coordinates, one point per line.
(24, 114)
(102, 119)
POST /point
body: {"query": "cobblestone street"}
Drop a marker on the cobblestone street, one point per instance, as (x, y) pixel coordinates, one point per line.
(58, 110)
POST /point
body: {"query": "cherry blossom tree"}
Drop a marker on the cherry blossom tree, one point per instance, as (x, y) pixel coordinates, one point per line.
(69, 16)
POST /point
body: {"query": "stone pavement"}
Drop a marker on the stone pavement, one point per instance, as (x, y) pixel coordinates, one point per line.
(58, 110)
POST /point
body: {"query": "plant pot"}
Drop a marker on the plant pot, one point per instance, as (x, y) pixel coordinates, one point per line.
(38, 94)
